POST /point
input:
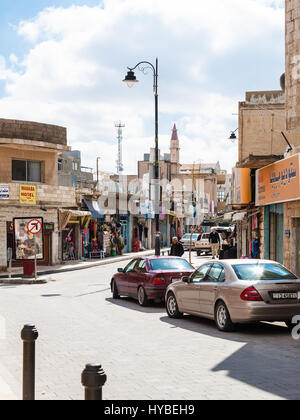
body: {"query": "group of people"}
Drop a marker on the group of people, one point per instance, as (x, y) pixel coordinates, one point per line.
(222, 246)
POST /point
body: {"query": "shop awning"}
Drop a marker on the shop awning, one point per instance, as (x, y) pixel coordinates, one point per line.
(67, 216)
(238, 217)
(95, 209)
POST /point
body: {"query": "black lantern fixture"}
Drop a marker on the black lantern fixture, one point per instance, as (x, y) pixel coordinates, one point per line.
(233, 136)
(130, 79)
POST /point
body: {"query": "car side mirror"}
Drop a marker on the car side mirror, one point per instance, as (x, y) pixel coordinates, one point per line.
(185, 279)
(120, 270)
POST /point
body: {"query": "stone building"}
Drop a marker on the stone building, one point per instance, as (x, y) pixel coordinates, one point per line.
(29, 185)
(71, 173)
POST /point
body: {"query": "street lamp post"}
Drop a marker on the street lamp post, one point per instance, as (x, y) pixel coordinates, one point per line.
(130, 79)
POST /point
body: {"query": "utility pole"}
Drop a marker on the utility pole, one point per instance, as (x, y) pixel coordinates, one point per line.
(120, 167)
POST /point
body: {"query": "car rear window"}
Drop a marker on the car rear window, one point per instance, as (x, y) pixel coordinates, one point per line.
(266, 271)
(205, 236)
(166, 264)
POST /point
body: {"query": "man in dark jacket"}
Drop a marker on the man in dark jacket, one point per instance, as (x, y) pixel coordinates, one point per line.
(214, 239)
(177, 248)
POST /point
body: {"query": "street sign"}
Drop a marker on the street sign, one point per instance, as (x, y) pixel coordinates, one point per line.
(34, 226)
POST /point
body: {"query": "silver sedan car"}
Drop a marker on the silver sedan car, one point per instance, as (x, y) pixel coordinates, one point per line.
(235, 292)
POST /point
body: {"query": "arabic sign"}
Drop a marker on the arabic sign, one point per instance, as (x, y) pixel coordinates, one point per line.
(24, 239)
(28, 194)
(241, 185)
(279, 182)
(4, 192)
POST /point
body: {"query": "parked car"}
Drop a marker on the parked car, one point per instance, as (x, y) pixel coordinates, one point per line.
(235, 292)
(203, 244)
(147, 279)
(186, 240)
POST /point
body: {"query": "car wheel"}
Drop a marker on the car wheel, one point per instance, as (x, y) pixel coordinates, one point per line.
(142, 297)
(114, 290)
(172, 307)
(222, 318)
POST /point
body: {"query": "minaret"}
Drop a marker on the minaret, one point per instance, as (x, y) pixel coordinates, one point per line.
(174, 147)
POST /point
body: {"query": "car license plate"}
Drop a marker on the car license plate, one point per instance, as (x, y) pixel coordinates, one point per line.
(286, 295)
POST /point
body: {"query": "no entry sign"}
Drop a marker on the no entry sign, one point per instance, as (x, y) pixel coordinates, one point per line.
(34, 226)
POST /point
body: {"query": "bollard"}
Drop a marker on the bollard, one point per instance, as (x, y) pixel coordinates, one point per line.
(93, 378)
(29, 336)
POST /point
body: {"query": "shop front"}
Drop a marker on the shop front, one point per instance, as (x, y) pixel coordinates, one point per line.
(72, 224)
(278, 191)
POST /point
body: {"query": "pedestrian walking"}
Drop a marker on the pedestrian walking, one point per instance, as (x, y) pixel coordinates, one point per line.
(177, 249)
(214, 240)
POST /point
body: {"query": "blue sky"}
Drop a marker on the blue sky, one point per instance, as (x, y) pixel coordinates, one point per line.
(64, 65)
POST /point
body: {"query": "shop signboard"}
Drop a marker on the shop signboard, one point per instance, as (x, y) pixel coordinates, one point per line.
(28, 194)
(279, 182)
(25, 231)
(241, 185)
(4, 192)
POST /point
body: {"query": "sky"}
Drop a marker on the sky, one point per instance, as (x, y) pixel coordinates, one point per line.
(63, 62)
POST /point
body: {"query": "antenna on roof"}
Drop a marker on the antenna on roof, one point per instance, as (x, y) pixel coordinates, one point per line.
(120, 168)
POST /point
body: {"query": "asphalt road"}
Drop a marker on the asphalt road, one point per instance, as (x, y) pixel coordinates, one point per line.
(145, 354)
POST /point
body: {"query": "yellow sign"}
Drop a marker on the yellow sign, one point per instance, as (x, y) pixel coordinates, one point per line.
(278, 183)
(241, 185)
(28, 194)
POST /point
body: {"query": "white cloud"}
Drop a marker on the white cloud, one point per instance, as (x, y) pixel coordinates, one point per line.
(72, 73)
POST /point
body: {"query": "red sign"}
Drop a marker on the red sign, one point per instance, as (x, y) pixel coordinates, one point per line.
(34, 227)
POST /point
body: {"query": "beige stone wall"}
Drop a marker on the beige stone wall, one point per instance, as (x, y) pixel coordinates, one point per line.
(292, 71)
(47, 157)
(260, 130)
(46, 195)
(7, 214)
(28, 130)
(291, 211)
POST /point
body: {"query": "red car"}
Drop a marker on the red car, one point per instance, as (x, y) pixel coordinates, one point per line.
(147, 278)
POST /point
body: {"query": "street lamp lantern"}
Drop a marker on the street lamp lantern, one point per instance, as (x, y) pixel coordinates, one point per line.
(130, 79)
(233, 136)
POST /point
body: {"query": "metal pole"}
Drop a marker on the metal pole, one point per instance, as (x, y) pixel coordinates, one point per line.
(29, 335)
(93, 378)
(157, 185)
(35, 265)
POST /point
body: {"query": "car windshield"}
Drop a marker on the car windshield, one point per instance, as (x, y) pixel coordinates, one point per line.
(167, 264)
(265, 271)
(189, 236)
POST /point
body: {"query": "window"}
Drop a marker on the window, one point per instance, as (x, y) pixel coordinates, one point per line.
(168, 264)
(141, 266)
(26, 170)
(75, 166)
(215, 273)
(201, 273)
(60, 165)
(130, 266)
(257, 272)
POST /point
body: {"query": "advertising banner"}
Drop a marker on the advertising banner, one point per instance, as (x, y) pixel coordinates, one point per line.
(279, 182)
(24, 240)
(28, 194)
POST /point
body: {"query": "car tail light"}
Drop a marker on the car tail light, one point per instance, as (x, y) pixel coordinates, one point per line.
(158, 281)
(251, 295)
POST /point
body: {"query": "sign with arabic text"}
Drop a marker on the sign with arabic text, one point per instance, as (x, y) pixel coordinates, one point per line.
(279, 182)
(4, 192)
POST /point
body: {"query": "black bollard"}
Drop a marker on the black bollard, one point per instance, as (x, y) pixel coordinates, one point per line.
(29, 336)
(93, 378)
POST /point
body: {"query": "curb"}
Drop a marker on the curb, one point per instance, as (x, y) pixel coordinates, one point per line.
(20, 281)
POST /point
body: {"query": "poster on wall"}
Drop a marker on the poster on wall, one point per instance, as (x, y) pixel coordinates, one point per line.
(24, 240)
